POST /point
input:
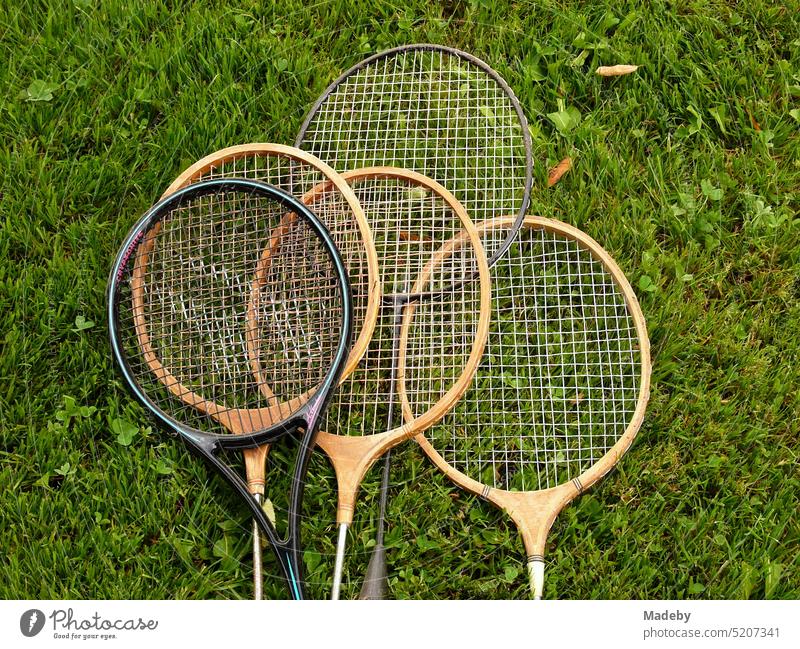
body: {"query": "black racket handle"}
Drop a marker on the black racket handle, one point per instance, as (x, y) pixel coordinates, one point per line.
(376, 581)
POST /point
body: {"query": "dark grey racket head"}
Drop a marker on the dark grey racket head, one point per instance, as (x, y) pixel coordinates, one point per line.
(229, 311)
(440, 112)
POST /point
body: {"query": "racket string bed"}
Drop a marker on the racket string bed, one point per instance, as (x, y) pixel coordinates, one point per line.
(192, 313)
(299, 174)
(598, 382)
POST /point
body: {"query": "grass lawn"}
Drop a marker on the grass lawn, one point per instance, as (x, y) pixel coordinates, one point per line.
(687, 172)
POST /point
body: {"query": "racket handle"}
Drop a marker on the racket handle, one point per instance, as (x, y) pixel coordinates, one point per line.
(536, 573)
(258, 582)
(376, 581)
(339, 565)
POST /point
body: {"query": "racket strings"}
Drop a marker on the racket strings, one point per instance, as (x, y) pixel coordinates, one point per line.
(192, 307)
(560, 378)
(297, 307)
(409, 223)
(433, 112)
(440, 329)
(393, 360)
(361, 404)
(299, 178)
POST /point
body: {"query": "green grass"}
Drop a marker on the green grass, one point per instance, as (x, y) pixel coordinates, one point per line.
(687, 171)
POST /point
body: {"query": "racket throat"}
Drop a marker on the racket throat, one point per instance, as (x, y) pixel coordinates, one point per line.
(534, 513)
(351, 458)
(255, 460)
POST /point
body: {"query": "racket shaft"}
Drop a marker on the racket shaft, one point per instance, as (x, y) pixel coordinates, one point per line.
(375, 586)
(375, 581)
(258, 583)
(339, 565)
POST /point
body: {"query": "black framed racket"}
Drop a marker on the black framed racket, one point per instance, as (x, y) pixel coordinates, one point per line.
(230, 319)
(449, 116)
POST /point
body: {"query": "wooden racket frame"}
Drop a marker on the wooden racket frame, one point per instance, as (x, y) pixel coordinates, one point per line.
(352, 456)
(535, 511)
(255, 458)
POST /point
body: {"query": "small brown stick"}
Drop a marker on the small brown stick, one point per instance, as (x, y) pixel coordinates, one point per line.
(559, 170)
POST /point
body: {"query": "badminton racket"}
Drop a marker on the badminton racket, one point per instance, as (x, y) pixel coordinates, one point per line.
(562, 388)
(297, 172)
(216, 293)
(414, 222)
(443, 113)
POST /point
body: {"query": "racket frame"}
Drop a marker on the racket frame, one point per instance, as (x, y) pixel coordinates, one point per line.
(256, 458)
(496, 254)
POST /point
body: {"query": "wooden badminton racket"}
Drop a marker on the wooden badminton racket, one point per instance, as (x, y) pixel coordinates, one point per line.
(562, 389)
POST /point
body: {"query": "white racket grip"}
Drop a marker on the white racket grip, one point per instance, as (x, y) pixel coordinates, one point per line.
(258, 583)
(536, 574)
(339, 565)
